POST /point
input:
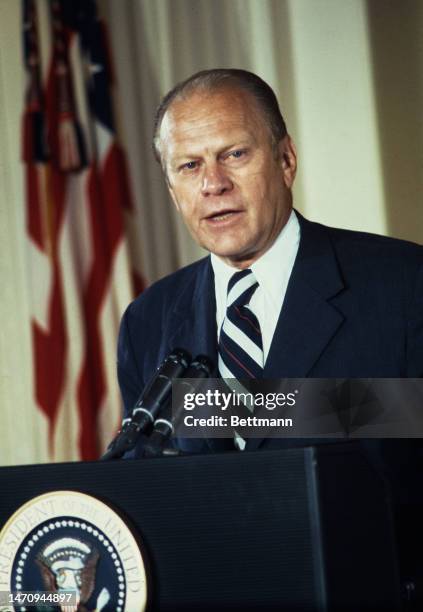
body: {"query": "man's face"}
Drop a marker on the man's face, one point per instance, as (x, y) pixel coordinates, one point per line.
(228, 182)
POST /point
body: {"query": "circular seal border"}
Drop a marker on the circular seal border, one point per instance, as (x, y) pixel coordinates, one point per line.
(55, 506)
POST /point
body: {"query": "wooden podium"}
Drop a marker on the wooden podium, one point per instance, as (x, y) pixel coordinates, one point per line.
(296, 530)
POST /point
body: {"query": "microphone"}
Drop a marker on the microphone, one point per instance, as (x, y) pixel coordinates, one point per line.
(149, 404)
(201, 368)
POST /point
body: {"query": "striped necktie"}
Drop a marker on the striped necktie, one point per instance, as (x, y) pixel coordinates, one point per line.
(240, 341)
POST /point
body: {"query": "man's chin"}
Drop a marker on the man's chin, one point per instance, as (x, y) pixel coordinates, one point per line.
(235, 258)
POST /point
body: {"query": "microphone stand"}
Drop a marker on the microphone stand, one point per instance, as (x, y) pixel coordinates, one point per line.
(200, 369)
(149, 405)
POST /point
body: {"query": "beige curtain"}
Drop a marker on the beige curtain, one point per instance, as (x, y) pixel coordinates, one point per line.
(349, 77)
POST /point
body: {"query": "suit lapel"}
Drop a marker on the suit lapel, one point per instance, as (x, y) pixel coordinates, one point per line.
(308, 321)
(194, 316)
(194, 322)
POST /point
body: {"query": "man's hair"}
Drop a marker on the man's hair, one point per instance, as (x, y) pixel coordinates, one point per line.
(220, 78)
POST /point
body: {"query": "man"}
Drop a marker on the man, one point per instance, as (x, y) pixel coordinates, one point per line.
(326, 302)
(321, 302)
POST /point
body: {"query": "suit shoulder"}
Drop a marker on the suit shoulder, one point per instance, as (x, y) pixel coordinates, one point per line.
(163, 292)
(375, 246)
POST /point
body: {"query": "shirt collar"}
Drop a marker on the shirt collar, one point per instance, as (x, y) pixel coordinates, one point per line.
(272, 269)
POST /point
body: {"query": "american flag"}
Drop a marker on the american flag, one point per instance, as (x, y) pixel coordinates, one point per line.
(77, 199)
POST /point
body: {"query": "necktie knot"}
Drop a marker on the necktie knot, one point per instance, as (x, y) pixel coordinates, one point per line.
(241, 287)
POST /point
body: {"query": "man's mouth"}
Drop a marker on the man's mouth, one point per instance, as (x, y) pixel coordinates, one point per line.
(222, 215)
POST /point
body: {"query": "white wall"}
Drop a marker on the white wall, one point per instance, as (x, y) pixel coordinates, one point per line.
(340, 176)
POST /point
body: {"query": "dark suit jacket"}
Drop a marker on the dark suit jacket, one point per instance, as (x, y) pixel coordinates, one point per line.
(353, 308)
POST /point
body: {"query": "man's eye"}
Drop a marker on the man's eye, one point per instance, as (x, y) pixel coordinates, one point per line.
(237, 154)
(189, 165)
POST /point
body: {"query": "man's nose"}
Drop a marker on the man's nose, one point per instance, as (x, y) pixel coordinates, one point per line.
(215, 181)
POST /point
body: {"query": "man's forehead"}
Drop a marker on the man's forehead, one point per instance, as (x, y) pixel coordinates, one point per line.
(204, 113)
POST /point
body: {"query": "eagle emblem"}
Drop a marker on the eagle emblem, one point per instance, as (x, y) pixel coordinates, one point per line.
(69, 564)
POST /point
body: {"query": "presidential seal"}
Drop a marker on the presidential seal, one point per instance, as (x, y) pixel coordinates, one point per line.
(69, 542)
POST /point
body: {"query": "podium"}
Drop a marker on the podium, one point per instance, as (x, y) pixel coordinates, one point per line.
(303, 529)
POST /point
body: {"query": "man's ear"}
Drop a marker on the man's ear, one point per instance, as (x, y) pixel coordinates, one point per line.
(288, 159)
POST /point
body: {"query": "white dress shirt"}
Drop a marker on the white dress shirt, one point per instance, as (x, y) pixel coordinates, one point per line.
(272, 272)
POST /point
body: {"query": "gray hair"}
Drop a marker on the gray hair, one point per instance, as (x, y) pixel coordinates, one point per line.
(219, 78)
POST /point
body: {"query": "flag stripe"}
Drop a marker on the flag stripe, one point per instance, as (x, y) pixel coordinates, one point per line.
(77, 192)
